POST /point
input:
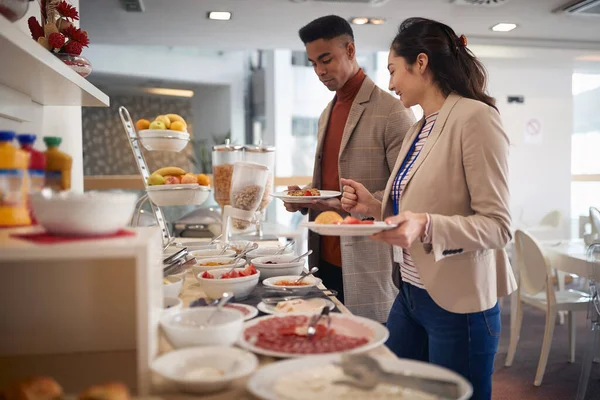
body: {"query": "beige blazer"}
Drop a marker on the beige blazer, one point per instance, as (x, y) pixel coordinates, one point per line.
(461, 179)
(375, 128)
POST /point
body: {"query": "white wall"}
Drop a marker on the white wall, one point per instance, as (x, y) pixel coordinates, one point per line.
(540, 172)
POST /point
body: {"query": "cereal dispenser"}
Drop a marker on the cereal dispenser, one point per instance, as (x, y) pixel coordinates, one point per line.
(223, 158)
(264, 155)
(247, 189)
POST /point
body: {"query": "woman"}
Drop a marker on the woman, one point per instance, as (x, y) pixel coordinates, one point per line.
(449, 196)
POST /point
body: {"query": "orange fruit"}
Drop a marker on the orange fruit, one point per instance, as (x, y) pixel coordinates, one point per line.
(178, 126)
(142, 124)
(203, 180)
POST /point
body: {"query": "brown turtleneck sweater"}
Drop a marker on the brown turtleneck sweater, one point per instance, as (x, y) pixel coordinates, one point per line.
(330, 176)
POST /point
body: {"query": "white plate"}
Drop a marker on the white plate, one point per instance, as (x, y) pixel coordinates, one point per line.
(348, 229)
(261, 383)
(270, 309)
(252, 311)
(325, 194)
(379, 334)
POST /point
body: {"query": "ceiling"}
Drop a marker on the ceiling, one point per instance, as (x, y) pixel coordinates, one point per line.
(268, 24)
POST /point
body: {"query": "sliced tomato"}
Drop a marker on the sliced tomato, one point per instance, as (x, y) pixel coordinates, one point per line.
(207, 275)
(307, 193)
(351, 221)
(249, 270)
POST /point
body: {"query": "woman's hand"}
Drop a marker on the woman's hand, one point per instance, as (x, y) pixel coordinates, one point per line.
(356, 199)
(411, 227)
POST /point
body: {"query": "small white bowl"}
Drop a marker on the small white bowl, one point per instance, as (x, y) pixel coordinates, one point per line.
(164, 140)
(182, 327)
(211, 253)
(241, 287)
(283, 267)
(187, 368)
(83, 214)
(266, 251)
(199, 268)
(172, 303)
(311, 280)
(178, 195)
(173, 288)
(239, 245)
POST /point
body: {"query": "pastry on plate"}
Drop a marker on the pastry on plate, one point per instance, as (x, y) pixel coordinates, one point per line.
(108, 391)
(34, 388)
(329, 217)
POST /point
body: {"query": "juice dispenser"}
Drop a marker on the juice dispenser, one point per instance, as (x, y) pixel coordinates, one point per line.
(263, 155)
(223, 158)
(37, 166)
(247, 189)
(58, 165)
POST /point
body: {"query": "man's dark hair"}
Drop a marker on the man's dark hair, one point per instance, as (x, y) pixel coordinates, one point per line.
(328, 27)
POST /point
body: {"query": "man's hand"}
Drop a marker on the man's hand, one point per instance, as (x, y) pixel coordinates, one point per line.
(293, 207)
(411, 227)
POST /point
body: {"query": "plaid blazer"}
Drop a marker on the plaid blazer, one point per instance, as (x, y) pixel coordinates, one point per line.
(372, 138)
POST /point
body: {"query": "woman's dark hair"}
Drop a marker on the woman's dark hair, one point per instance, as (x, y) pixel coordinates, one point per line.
(453, 65)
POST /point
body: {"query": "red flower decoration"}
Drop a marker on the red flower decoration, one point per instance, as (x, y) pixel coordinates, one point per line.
(77, 35)
(73, 47)
(56, 40)
(35, 28)
(66, 10)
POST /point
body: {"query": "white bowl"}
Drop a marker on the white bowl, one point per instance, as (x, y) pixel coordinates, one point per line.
(186, 368)
(199, 268)
(266, 251)
(283, 267)
(211, 253)
(311, 280)
(164, 140)
(239, 245)
(173, 288)
(172, 303)
(178, 195)
(182, 327)
(241, 287)
(83, 214)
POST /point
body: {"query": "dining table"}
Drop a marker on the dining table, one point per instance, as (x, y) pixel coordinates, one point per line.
(191, 291)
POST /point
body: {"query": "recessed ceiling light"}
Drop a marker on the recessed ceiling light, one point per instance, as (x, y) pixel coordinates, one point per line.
(360, 20)
(170, 92)
(219, 15)
(377, 21)
(504, 27)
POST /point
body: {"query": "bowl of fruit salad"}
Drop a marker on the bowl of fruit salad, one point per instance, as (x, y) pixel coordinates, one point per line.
(240, 281)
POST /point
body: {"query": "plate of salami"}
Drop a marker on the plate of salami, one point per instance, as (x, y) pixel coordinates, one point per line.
(285, 336)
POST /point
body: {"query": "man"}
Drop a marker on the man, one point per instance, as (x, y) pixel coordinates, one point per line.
(360, 135)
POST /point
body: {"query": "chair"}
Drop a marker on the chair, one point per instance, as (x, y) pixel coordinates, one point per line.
(536, 289)
(593, 256)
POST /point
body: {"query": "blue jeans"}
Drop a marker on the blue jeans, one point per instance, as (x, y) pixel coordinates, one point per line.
(465, 343)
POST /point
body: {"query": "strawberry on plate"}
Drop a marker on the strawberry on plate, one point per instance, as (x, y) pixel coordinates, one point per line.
(350, 221)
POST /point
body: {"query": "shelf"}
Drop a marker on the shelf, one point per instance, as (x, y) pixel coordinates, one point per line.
(13, 249)
(35, 72)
